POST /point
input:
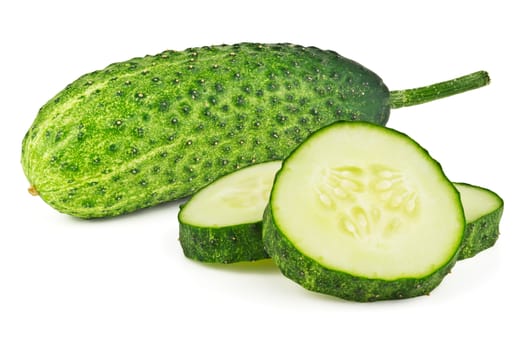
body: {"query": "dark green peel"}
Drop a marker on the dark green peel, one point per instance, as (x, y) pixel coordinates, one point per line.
(223, 245)
(483, 211)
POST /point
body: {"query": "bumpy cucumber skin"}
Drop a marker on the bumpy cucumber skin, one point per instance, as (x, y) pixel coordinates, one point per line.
(482, 233)
(224, 245)
(317, 278)
(158, 128)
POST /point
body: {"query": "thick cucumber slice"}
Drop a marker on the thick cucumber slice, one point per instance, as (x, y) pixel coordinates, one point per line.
(483, 211)
(223, 221)
(363, 212)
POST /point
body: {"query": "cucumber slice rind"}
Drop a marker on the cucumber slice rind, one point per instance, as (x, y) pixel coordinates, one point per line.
(224, 245)
(481, 232)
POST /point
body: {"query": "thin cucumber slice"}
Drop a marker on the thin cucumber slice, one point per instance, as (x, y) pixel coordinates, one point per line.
(483, 211)
(222, 223)
(363, 212)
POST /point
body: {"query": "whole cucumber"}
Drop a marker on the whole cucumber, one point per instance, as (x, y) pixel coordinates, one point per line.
(158, 128)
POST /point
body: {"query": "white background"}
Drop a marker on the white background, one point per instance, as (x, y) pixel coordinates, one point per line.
(124, 283)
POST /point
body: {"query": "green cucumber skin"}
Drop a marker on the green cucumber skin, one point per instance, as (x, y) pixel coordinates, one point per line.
(317, 278)
(482, 233)
(159, 128)
(224, 245)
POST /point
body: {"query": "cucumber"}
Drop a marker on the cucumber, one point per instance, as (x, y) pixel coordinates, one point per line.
(222, 223)
(362, 212)
(159, 128)
(483, 210)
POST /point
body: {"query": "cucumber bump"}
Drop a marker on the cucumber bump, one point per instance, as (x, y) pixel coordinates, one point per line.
(158, 128)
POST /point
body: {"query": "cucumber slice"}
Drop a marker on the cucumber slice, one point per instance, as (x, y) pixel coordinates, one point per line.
(362, 212)
(222, 223)
(483, 211)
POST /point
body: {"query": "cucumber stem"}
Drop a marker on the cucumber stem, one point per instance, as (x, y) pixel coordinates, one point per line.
(411, 97)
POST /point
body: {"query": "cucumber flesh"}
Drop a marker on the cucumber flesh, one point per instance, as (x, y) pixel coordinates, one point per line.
(364, 213)
(223, 221)
(234, 199)
(483, 210)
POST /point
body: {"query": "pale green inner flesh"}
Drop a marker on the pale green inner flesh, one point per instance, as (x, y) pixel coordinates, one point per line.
(477, 202)
(238, 198)
(368, 202)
